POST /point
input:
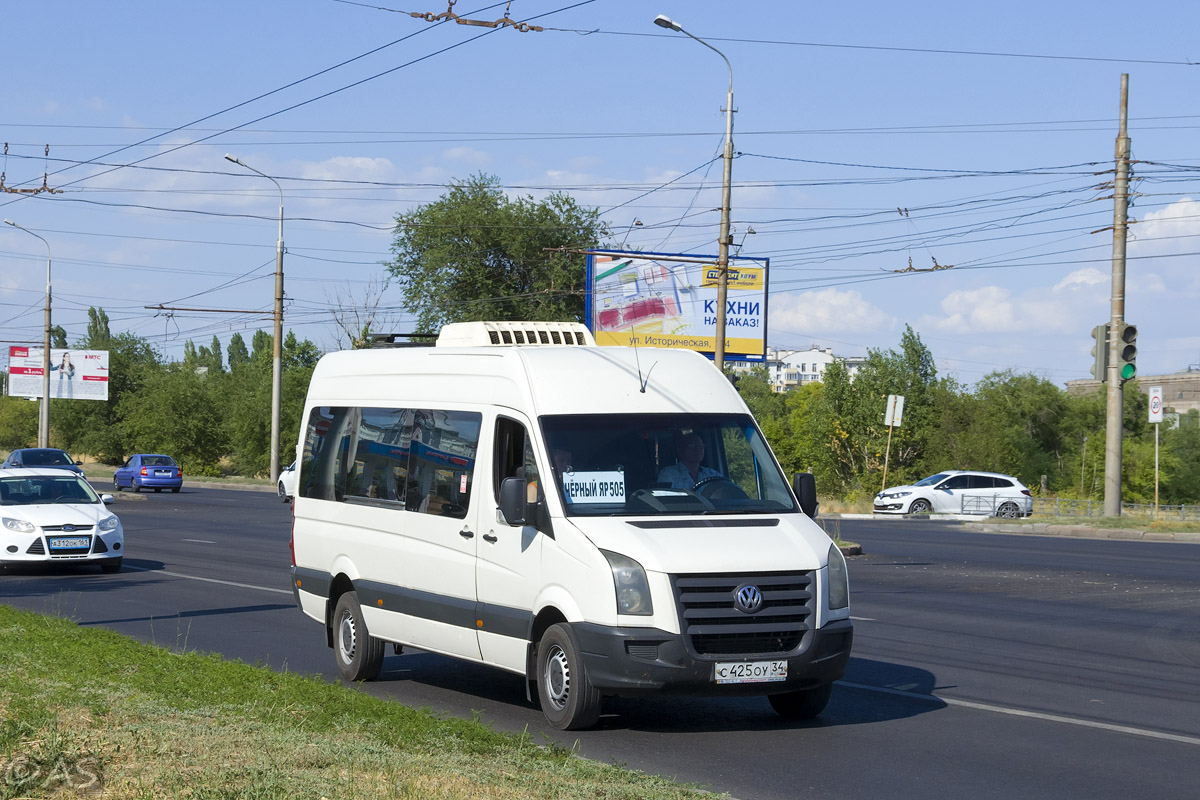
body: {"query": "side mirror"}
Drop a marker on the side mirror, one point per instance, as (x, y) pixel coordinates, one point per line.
(107, 499)
(79, 463)
(804, 484)
(517, 510)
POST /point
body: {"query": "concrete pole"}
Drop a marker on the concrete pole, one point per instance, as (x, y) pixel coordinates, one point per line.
(1115, 411)
(44, 408)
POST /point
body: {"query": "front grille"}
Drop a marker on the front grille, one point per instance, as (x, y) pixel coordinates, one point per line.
(75, 528)
(714, 626)
(100, 546)
(36, 549)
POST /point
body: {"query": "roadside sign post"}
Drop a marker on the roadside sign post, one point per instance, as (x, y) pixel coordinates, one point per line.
(891, 418)
(1156, 417)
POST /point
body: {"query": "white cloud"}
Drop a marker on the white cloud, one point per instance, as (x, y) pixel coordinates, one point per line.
(1088, 276)
(1156, 229)
(350, 168)
(467, 155)
(825, 311)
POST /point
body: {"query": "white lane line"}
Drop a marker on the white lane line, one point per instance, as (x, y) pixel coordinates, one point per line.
(1017, 712)
(863, 619)
(208, 580)
(201, 541)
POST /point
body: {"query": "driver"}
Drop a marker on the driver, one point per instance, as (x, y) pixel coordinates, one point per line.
(687, 471)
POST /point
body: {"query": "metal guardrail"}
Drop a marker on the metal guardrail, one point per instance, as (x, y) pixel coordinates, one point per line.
(1068, 507)
(996, 505)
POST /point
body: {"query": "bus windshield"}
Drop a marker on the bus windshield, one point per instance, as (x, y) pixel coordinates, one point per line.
(663, 464)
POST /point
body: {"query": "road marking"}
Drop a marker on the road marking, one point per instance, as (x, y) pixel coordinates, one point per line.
(1017, 712)
(201, 541)
(208, 580)
(863, 619)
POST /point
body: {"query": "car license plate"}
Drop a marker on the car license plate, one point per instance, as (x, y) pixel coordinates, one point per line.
(750, 671)
(69, 543)
(162, 473)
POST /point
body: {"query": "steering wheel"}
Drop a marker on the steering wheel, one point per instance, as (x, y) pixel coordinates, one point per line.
(709, 480)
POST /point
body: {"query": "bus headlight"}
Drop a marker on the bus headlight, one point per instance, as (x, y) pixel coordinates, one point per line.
(839, 580)
(629, 579)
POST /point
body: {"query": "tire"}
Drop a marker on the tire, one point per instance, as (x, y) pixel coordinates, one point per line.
(1009, 511)
(111, 566)
(175, 489)
(802, 704)
(157, 489)
(133, 485)
(116, 484)
(568, 699)
(920, 507)
(358, 654)
(282, 493)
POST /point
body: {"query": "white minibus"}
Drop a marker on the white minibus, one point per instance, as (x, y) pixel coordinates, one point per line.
(603, 521)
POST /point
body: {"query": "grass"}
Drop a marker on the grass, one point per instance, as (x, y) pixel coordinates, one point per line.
(153, 723)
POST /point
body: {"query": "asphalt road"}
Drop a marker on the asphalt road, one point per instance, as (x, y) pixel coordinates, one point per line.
(984, 665)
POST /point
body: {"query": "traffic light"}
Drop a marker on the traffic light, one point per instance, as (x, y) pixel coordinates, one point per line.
(1100, 353)
(1127, 354)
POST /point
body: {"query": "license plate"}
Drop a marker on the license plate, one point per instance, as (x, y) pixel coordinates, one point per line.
(163, 473)
(750, 671)
(72, 543)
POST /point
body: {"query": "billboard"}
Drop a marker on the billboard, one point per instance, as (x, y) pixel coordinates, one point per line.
(74, 374)
(660, 300)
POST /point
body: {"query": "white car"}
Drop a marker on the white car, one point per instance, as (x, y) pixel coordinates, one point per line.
(287, 482)
(959, 492)
(54, 516)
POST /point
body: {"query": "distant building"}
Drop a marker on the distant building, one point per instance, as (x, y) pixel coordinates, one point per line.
(788, 369)
(1181, 390)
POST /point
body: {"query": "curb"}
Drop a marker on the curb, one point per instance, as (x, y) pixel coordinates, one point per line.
(1083, 532)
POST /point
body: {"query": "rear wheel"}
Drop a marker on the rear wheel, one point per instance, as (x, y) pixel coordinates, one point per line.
(359, 655)
(1008, 511)
(116, 484)
(802, 704)
(919, 507)
(568, 699)
(135, 486)
(175, 489)
(282, 493)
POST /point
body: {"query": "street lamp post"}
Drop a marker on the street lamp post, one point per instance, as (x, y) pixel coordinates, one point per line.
(44, 410)
(726, 188)
(277, 356)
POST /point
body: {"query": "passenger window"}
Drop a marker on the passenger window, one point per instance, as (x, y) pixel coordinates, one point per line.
(381, 456)
(442, 461)
(515, 458)
(326, 455)
(957, 482)
(980, 482)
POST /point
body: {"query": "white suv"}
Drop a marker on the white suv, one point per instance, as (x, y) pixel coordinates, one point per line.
(959, 492)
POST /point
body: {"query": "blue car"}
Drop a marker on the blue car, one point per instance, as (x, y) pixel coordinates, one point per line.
(41, 457)
(145, 471)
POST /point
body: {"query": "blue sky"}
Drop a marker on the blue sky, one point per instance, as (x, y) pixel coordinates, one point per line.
(845, 114)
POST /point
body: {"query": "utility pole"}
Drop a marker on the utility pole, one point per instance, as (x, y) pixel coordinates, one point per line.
(1116, 400)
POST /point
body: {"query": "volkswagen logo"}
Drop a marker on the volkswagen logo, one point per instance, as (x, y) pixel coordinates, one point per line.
(748, 599)
(68, 528)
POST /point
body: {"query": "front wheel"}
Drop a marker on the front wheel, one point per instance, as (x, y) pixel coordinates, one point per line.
(282, 493)
(803, 703)
(568, 699)
(116, 484)
(359, 655)
(920, 507)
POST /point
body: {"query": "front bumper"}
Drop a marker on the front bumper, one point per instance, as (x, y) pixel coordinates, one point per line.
(24, 548)
(635, 661)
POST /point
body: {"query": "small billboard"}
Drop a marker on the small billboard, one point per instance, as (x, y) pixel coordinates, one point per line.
(74, 374)
(670, 300)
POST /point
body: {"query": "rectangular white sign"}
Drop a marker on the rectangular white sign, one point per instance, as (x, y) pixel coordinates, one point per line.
(895, 411)
(74, 374)
(1156, 404)
(594, 487)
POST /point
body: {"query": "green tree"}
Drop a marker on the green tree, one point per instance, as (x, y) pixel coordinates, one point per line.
(476, 254)
(236, 353)
(176, 412)
(18, 423)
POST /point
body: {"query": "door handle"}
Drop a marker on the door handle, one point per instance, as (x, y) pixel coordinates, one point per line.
(466, 534)
(487, 537)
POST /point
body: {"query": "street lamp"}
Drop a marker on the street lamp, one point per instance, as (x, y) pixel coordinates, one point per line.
(44, 411)
(277, 356)
(663, 21)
